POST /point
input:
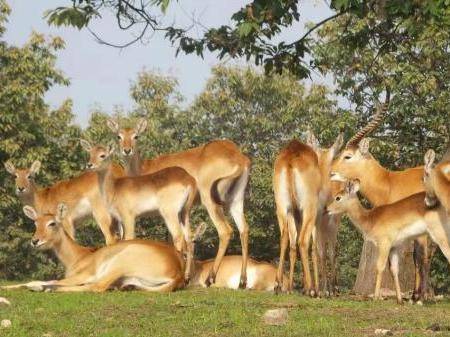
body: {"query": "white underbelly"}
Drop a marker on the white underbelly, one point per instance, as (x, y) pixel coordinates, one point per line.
(145, 205)
(82, 209)
(416, 229)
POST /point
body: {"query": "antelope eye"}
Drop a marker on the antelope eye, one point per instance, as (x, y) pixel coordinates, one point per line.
(347, 157)
(119, 137)
(338, 198)
(52, 224)
(16, 176)
(136, 137)
(103, 156)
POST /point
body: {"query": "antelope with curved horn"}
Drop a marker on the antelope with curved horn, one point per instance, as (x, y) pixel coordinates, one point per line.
(261, 275)
(141, 264)
(381, 186)
(302, 189)
(221, 172)
(389, 226)
(81, 194)
(437, 180)
(170, 192)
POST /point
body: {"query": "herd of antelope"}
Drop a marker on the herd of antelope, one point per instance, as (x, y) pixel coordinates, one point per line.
(313, 188)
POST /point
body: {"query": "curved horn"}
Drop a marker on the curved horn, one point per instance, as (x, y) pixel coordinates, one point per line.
(372, 125)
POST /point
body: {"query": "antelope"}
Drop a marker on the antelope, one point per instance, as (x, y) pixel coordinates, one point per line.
(437, 180)
(261, 275)
(302, 188)
(170, 192)
(141, 264)
(381, 186)
(81, 194)
(389, 226)
(221, 173)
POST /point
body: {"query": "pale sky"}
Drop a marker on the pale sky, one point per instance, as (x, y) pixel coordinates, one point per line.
(101, 75)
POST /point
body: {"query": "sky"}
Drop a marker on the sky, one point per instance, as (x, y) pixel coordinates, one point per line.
(101, 75)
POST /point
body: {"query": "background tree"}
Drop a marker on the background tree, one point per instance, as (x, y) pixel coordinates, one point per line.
(256, 27)
(416, 70)
(30, 130)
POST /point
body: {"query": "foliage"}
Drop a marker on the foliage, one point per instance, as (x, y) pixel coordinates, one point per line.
(257, 26)
(416, 71)
(30, 130)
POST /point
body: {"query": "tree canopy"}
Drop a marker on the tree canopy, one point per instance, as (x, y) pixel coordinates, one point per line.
(256, 27)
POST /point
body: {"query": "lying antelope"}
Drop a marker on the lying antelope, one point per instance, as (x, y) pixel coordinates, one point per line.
(141, 264)
(170, 192)
(302, 188)
(221, 172)
(81, 194)
(381, 186)
(389, 226)
(261, 275)
(437, 180)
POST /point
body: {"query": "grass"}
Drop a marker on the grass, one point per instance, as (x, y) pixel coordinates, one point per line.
(210, 312)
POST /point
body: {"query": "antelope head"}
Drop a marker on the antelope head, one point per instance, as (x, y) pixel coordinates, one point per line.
(98, 154)
(325, 155)
(128, 136)
(355, 159)
(49, 227)
(345, 199)
(24, 178)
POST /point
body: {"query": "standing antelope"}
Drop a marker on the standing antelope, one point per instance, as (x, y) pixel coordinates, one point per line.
(381, 186)
(170, 192)
(261, 275)
(146, 265)
(389, 226)
(437, 180)
(302, 189)
(81, 194)
(221, 172)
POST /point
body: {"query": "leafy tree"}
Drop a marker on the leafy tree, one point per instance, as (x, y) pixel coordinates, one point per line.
(30, 130)
(416, 71)
(256, 27)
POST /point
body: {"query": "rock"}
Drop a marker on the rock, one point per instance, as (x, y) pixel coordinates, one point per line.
(276, 316)
(5, 323)
(383, 332)
(4, 301)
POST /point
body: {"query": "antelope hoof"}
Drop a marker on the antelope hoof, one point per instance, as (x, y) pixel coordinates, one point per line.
(243, 283)
(187, 280)
(399, 301)
(313, 293)
(210, 280)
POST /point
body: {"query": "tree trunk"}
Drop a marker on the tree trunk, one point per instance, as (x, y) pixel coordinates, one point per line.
(365, 280)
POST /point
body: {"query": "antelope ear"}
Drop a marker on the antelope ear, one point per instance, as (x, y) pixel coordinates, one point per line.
(352, 186)
(141, 125)
(363, 146)
(337, 144)
(199, 231)
(112, 124)
(35, 167)
(110, 149)
(9, 166)
(30, 212)
(61, 211)
(85, 145)
(311, 140)
(428, 159)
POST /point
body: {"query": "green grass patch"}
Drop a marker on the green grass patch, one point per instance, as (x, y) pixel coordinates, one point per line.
(210, 312)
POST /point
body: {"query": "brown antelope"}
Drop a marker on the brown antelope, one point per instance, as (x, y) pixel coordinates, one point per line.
(221, 172)
(141, 264)
(381, 186)
(260, 275)
(170, 192)
(302, 188)
(389, 226)
(437, 180)
(81, 194)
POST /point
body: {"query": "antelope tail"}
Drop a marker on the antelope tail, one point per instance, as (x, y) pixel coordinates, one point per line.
(373, 124)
